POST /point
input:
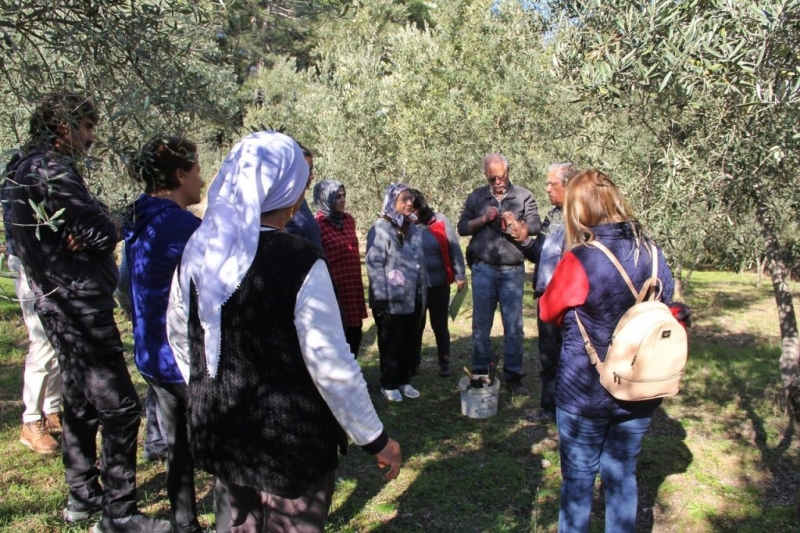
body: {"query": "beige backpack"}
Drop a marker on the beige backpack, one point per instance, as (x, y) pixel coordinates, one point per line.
(649, 347)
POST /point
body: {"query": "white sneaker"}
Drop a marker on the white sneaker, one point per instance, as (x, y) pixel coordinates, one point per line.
(409, 391)
(393, 395)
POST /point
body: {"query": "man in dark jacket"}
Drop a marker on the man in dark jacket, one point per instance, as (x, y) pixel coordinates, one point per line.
(303, 224)
(498, 266)
(546, 250)
(66, 244)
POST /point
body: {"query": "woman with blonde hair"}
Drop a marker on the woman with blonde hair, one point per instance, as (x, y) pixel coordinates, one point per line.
(597, 432)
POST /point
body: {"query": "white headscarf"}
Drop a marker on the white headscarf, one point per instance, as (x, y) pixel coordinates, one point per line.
(264, 171)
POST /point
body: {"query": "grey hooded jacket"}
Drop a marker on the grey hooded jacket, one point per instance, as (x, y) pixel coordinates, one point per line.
(396, 272)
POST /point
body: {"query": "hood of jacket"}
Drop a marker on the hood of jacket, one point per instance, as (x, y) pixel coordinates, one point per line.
(142, 211)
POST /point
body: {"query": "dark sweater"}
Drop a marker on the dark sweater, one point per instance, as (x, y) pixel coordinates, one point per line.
(490, 243)
(303, 224)
(63, 280)
(262, 423)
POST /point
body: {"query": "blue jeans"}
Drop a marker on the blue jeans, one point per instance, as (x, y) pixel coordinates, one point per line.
(610, 446)
(491, 286)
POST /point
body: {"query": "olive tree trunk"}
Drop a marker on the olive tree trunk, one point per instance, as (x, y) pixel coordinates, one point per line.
(790, 342)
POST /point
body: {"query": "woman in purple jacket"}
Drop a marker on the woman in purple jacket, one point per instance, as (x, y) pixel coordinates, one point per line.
(596, 431)
(155, 234)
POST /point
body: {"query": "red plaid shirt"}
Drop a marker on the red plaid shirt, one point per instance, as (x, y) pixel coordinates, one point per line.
(344, 262)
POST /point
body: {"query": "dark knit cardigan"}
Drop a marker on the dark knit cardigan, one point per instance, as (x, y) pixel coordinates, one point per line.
(261, 423)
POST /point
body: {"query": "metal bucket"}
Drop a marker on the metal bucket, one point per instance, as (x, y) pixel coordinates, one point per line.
(479, 402)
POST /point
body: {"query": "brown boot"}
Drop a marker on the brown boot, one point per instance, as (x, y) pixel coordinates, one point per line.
(35, 436)
(54, 422)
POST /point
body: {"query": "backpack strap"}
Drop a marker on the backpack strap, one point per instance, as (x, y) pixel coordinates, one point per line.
(600, 246)
(586, 342)
(651, 283)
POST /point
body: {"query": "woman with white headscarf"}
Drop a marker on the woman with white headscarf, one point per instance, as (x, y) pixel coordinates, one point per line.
(398, 285)
(271, 379)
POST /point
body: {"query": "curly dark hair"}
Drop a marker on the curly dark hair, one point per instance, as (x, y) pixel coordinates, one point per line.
(157, 165)
(59, 109)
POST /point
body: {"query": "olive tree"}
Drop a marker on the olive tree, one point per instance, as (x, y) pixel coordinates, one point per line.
(156, 66)
(150, 67)
(717, 84)
(389, 101)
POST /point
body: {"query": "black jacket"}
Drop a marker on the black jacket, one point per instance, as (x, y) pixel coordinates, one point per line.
(491, 244)
(63, 280)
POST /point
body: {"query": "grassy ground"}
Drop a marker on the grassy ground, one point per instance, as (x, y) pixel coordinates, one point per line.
(719, 457)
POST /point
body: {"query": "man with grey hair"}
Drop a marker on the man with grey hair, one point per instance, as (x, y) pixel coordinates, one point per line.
(498, 266)
(546, 251)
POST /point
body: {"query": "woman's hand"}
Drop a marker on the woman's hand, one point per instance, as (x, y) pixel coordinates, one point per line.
(390, 457)
(460, 284)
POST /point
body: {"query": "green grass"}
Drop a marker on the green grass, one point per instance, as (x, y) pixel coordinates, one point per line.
(721, 456)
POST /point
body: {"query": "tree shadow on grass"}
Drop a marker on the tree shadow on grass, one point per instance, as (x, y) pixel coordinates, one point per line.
(726, 301)
(459, 474)
(753, 428)
(732, 390)
(13, 350)
(491, 487)
(151, 482)
(11, 392)
(11, 347)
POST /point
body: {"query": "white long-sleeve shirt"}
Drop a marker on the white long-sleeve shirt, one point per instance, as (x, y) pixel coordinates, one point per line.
(333, 368)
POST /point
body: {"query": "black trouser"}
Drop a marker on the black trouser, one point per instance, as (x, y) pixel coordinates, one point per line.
(353, 335)
(549, 354)
(399, 345)
(180, 463)
(155, 440)
(97, 393)
(439, 308)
